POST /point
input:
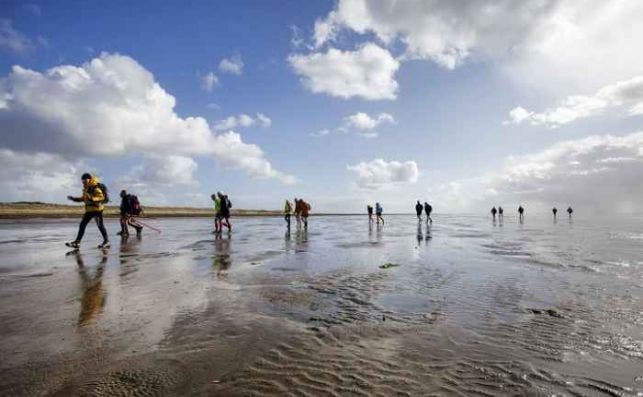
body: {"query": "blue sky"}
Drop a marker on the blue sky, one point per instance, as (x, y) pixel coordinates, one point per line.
(442, 77)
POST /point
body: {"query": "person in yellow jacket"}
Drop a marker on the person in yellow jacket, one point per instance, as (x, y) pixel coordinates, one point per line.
(94, 196)
(287, 212)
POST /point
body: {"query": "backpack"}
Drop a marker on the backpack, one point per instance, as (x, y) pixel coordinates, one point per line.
(135, 205)
(103, 189)
(228, 202)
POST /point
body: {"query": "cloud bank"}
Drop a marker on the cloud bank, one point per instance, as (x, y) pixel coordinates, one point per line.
(599, 173)
(111, 106)
(544, 42)
(627, 93)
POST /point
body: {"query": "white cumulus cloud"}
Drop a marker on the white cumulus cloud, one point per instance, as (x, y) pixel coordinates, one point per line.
(359, 122)
(167, 170)
(243, 120)
(232, 65)
(37, 176)
(627, 93)
(540, 42)
(379, 173)
(363, 121)
(111, 106)
(368, 72)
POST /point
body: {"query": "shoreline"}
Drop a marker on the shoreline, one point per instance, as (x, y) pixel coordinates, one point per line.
(28, 210)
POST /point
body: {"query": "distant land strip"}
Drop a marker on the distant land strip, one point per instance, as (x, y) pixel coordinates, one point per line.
(31, 209)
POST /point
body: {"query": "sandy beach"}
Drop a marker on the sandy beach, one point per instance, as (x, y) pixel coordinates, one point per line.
(25, 210)
(459, 308)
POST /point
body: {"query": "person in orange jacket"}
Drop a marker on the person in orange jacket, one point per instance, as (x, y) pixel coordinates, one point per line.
(305, 211)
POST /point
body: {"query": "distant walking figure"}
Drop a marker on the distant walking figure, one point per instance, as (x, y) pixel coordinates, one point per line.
(225, 212)
(501, 213)
(521, 213)
(493, 213)
(305, 210)
(298, 212)
(554, 211)
(287, 212)
(217, 212)
(378, 213)
(428, 209)
(570, 211)
(94, 196)
(418, 210)
(130, 207)
(369, 209)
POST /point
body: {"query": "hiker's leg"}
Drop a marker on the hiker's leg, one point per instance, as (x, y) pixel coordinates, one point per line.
(101, 225)
(83, 224)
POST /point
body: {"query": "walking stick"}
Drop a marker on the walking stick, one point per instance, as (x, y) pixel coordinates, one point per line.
(146, 225)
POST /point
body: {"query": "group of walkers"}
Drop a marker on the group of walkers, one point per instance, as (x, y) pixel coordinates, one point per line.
(379, 210)
(95, 195)
(301, 210)
(521, 212)
(570, 211)
(501, 213)
(222, 205)
(427, 209)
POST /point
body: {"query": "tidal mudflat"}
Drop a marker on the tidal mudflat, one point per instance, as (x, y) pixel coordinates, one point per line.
(461, 307)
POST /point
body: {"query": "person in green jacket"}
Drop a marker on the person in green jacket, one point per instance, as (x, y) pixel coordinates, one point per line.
(217, 212)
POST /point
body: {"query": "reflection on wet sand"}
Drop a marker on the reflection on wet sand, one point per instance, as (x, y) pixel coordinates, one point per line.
(301, 240)
(474, 310)
(221, 261)
(93, 295)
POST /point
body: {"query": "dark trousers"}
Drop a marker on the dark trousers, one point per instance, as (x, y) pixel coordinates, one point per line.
(98, 215)
(287, 218)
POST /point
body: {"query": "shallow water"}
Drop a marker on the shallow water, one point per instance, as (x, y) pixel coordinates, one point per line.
(461, 307)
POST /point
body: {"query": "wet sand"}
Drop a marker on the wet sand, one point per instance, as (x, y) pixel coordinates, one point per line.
(463, 307)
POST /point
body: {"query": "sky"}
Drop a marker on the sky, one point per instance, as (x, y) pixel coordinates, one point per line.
(464, 104)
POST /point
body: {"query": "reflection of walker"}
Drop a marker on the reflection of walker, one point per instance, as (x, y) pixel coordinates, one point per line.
(379, 217)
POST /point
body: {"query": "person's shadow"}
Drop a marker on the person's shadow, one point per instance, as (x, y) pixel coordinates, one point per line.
(93, 296)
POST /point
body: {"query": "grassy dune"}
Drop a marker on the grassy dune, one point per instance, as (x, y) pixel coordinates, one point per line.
(45, 210)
